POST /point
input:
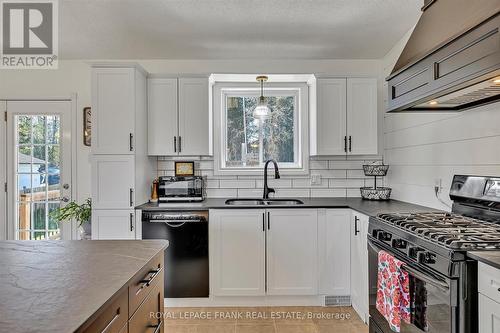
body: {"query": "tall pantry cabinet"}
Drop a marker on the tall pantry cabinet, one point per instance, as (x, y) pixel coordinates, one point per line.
(121, 171)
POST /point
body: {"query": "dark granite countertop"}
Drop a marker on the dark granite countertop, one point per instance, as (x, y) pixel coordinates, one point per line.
(491, 258)
(367, 207)
(55, 286)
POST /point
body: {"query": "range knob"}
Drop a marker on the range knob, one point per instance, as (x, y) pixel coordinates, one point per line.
(375, 233)
(426, 258)
(414, 251)
(399, 244)
(385, 236)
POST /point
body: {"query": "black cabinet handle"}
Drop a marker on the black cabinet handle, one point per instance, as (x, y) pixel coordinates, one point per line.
(345, 143)
(175, 144)
(131, 142)
(131, 221)
(350, 143)
(263, 221)
(131, 197)
(268, 221)
(356, 230)
(147, 282)
(180, 143)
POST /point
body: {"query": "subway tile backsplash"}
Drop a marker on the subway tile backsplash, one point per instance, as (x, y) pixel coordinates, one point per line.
(340, 177)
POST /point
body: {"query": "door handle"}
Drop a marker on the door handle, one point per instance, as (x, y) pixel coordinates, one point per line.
(131, 142)
(350, 143)
(175, 144)
(131, 221)
(131, 197)
(345, 143)
(180, 143)
(263, 221)
(356, 231)
(268, 221)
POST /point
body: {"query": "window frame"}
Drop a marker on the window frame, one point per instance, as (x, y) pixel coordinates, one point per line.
(301, 138)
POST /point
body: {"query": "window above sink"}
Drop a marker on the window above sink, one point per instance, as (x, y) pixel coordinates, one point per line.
(242, 143)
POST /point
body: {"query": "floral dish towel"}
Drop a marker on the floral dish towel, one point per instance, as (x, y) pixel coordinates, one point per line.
(393, 296)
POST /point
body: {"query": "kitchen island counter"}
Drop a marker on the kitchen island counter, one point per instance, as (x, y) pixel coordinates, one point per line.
(56, 286)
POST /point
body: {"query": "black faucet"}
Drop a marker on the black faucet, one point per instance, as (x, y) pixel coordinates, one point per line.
(267, 189)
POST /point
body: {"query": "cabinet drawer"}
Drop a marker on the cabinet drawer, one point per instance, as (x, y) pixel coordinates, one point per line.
(143, 282)
(489, 281)
(143, 321)
(112, 318)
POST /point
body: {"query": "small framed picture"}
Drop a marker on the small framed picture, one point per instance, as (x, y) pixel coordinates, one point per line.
(87, 126)
(184, 168)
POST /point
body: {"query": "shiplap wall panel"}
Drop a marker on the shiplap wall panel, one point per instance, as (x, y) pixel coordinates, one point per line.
(423, 148)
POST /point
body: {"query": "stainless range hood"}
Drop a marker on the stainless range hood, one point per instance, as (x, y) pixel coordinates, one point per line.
(452, 59)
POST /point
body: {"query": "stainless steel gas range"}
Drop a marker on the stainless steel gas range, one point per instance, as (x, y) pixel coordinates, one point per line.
(433, 247)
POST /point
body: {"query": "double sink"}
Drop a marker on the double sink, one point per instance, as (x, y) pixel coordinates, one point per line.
(261, 202)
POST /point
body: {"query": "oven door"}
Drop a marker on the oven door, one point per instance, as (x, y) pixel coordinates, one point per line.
(433, 297)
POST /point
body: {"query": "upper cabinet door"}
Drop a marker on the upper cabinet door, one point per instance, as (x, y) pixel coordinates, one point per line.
(113, 110)
(362, 116)
(162, 116)
(292, 252)
(331, 116)
(193, 116)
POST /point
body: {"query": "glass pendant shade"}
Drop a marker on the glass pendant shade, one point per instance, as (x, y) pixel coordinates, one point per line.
(261, 111)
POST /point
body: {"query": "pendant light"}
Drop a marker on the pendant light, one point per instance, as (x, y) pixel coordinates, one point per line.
(262, 111)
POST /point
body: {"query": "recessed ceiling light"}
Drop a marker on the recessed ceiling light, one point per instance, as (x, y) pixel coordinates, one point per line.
(497, 80)
(433, 103)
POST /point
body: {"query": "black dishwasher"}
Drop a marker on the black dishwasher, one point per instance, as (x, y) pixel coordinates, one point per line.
(186, 258)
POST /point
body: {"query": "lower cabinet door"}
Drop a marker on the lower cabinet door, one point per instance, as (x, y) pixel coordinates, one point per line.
(149, 316)
(113, 224)
(237, 252)
(489, 315)
(292, 252)
(359, 265)
(334, 230)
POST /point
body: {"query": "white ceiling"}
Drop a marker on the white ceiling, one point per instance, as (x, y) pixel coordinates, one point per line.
(233, 29)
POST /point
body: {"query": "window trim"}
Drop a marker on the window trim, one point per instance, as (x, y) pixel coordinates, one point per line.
(221, 90)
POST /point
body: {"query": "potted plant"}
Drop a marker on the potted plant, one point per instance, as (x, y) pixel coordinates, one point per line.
(81, 213)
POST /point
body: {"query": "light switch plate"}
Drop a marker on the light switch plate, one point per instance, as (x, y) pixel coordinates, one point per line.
(315, 179)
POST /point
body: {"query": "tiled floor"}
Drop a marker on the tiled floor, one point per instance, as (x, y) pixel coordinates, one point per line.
(263, 320)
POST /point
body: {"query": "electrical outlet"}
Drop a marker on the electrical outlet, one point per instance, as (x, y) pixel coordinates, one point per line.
(315, 179)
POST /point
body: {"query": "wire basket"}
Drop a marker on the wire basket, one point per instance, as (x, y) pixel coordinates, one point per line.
(377, 193)
(375, 169)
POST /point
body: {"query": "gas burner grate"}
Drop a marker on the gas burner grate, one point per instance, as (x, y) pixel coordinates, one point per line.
(447, 229)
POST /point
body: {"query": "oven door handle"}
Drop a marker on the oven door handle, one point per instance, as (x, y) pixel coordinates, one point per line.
(426, 277)
(440, 284)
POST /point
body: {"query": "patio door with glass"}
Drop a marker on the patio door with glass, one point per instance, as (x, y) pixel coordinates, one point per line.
(38, 167)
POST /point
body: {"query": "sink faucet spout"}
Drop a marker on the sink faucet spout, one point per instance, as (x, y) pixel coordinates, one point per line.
(267, 189)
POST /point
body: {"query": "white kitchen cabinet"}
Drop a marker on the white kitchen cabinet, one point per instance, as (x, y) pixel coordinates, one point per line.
(331, 116)
(292, 252)
(113, 224)
(113, 103)
(346, 117)
(334, 230)
(237, 252)
(359, 264)
(113, 182)
(362, 116)
(162, 116)
(178, 114)
(489, 298)
(121, 171)
(193, 116)
(489, 315)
